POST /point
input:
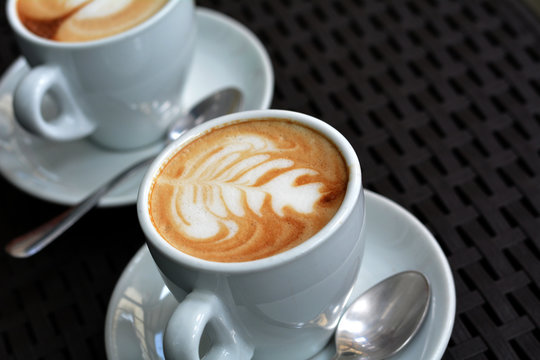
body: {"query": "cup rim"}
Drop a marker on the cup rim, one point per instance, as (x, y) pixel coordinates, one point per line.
(352, 195)
(22, 31)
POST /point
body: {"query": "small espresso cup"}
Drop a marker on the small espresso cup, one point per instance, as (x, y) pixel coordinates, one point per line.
(120, 91)
(247, 173)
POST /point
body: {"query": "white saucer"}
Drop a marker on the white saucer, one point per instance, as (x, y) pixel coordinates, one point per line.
(396, 241)
(226, 54)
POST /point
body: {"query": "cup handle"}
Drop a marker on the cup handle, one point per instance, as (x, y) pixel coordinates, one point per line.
(70, 124)
(187, 324)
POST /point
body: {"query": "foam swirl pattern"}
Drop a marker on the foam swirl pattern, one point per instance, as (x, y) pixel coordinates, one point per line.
(248, 191)
(84, 20)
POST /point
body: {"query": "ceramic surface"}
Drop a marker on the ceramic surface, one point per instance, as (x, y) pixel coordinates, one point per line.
(395, 241)
(226, 54)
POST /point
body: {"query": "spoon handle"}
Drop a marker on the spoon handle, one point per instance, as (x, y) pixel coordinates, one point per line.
(34, 241)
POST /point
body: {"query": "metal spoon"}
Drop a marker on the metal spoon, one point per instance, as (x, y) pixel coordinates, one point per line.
(383, 319)
(219, 103)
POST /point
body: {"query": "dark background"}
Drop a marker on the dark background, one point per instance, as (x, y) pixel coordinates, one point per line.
(441, 100)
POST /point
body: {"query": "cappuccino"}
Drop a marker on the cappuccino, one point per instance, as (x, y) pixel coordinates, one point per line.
(248, 190)
(84, 20)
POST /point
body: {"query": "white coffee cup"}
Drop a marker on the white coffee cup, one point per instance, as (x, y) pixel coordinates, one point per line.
(285, 306)
(121, 91)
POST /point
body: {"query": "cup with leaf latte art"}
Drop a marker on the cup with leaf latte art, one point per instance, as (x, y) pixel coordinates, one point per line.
(114, 70)
(255, 222)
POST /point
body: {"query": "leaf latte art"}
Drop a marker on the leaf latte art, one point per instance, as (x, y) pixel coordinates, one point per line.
(248, 190)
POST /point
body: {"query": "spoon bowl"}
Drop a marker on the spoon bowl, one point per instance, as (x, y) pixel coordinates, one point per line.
(225, 101)
(382, 320)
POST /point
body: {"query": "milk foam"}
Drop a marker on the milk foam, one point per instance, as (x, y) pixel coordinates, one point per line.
(248, 193)
(205, 197)
(83, 20)
(47, 9)
(102, 8)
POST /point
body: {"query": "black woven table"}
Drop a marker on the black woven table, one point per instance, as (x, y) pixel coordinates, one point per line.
(441, 100)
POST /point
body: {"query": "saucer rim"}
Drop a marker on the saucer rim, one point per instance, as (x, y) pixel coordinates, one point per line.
(20, 65)
(442, 261)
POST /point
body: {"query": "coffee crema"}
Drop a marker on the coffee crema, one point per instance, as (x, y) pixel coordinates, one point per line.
(84, 20)
(248, 190)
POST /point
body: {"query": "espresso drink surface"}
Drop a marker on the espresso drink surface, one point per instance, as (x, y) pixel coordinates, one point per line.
(248, 190)
(84, 20)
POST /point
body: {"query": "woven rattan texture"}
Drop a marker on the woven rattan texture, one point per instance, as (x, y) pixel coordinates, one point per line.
(441, 100)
